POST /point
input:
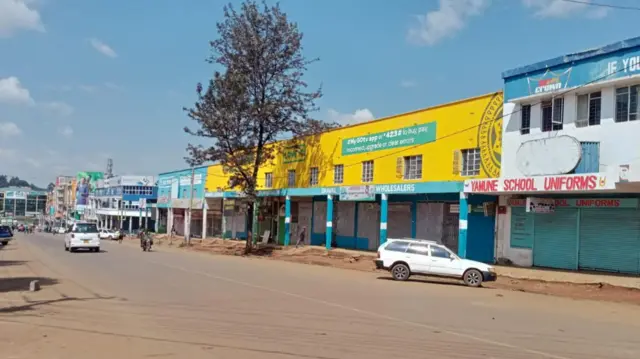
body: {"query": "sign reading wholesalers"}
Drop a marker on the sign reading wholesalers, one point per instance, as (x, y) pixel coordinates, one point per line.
(402, 137)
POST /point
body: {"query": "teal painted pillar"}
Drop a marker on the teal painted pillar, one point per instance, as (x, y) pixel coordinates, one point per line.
(287, 220)
(329, 230)
(254, 223)
(384, 208)
(463, 225)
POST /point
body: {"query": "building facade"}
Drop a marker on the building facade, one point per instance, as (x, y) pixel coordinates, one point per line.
(123, 202)
(570, 173)
(16, 202)
(64, 196)
(401, 176)
(179, 191)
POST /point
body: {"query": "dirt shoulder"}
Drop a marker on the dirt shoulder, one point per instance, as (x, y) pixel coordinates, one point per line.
(362, 261)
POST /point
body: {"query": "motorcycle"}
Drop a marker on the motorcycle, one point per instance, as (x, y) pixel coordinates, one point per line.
(146, 242)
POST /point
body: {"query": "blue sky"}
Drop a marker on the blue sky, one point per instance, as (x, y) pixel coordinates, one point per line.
(82, 81)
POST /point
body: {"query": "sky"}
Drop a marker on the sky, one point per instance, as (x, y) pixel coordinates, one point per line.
(83, 81)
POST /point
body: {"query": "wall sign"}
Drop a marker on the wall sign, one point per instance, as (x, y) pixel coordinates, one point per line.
(584, 202)
(560, 183)
(623, 63)
(522, 230)
(402, 137)
(293, 154)
(358, 193)
(540, 205)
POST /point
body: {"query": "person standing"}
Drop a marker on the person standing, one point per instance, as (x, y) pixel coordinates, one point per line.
(301, 237)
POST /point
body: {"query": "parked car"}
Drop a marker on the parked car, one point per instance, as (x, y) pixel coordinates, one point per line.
(62, 230)
(6, 235)
(406, 257)
(82, 235)
(107, 234)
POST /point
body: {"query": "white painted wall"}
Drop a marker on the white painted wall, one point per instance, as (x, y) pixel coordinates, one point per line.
(519, 256)
(618, 141)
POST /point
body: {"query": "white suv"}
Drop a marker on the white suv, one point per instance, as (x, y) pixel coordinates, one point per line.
(404, 257)
(82, 235)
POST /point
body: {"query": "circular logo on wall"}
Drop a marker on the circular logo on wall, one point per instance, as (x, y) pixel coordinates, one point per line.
(490, 136)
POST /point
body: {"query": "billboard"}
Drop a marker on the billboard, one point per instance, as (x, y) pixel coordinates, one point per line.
(86, 183)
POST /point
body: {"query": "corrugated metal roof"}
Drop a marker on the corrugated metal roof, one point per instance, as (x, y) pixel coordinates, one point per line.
(569, 58)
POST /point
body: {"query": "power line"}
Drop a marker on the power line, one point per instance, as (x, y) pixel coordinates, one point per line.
(474, 126)
(610, 6)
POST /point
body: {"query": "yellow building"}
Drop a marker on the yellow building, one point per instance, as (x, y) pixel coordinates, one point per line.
(399, 176)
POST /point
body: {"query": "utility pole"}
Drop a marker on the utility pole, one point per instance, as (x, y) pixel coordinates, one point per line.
(189, 212)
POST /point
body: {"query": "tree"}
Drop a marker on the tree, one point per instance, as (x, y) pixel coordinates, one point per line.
(258, 98)
(50, 187)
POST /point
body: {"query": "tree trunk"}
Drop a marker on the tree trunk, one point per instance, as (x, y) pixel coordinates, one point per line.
(249, 244)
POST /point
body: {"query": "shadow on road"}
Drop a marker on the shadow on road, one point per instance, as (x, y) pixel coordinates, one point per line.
(423, 280)
(20, 284)
(85, 251)
(40, 303)
(11, 263)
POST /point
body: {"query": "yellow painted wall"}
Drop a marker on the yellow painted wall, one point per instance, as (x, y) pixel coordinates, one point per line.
(465, 124)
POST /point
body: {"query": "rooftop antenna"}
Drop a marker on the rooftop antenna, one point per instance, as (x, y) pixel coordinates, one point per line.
(109, 172)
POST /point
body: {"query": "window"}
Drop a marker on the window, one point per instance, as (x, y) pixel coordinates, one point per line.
(313, 176)
(439, 252)
(525, 120)
(627, 103)
(338, 174)
(268, 179)
(418, 248)
(589, 106)
(397, 246)
(291, 178)
(86, 228)
(413, 167)
(470, 162)
(367, 171)
(552, 114)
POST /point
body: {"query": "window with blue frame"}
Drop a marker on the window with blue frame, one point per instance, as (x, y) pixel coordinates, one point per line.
(590, 160)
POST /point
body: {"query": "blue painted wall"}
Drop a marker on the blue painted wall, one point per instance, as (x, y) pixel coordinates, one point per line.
(166, 179)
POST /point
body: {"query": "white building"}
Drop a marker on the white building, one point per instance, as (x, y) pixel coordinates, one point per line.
(570, 165)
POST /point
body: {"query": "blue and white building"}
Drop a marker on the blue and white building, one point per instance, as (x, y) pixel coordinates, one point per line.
(570, 176)
(124, 202)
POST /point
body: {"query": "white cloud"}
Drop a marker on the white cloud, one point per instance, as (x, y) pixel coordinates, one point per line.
(12, 92)
(66, 131)
(103, 48)
(7, 154)
(446, 21)
(58, 108)
(16, 15)
(408, 83)
(9, 129)
(112, 86)
(360, 115)
(563, 9)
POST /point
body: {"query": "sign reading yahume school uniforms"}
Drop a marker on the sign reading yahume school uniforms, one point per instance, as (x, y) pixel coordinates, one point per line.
(402, 137)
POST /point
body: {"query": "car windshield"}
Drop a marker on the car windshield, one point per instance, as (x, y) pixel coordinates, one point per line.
(86, 228)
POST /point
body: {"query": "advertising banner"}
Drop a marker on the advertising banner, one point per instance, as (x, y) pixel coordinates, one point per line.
(86, 184)
(16, 195)
(401, 137)
(540, 205)
(358, 193)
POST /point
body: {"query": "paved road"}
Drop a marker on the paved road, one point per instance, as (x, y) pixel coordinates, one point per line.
(173, 304)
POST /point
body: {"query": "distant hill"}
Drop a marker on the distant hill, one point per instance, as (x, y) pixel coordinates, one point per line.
(6, 181)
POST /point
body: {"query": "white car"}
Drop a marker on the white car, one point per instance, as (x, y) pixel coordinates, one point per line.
(82, 235)
(62, 230)
(405, 257)
(107, 234)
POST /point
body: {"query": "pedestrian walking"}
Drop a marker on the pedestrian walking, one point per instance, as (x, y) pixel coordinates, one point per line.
(301, 237)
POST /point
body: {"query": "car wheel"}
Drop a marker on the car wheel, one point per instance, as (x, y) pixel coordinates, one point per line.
(66, 248)
(472, 278)
(4, 243)
(400, 271)
(110, 238)
(97, 250)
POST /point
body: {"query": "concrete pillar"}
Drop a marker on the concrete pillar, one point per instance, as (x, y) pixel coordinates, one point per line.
(254, 221)
(384, 209)
(157, 223)
(139, 217)
(130, 224)
(462, 225)
(224, 222)
(287, 220)
(329, 230)
(204, 221)
(169, 220)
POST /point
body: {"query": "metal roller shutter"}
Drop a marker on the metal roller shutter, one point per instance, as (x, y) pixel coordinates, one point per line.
(555, 240)
(610, 240)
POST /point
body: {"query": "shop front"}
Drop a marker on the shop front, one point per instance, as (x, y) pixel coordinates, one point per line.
(571, 222)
